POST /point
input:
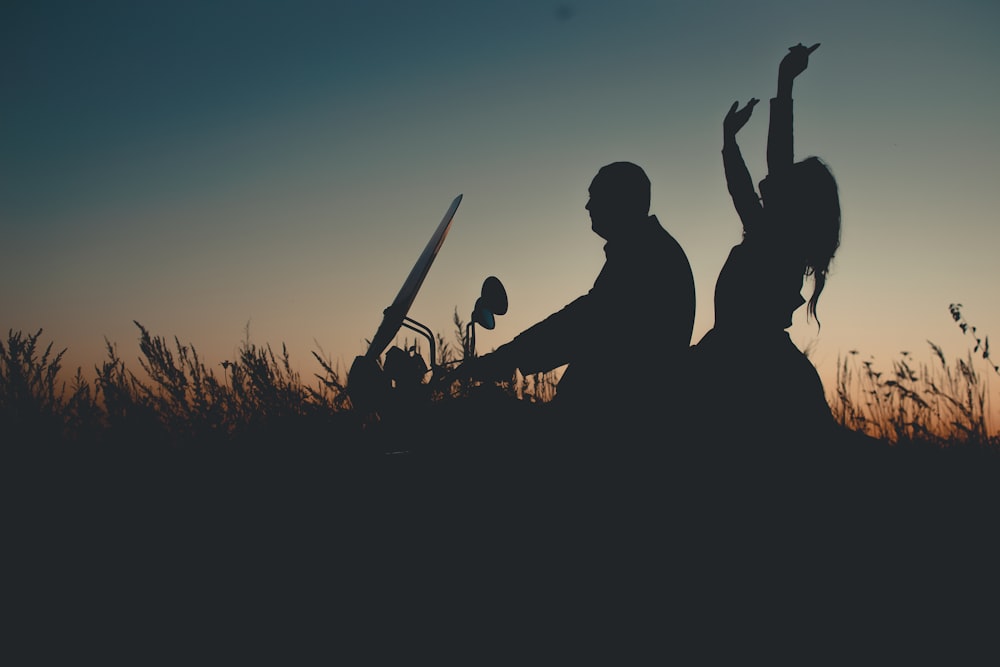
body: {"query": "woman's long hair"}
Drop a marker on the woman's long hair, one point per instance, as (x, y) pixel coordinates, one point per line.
(810, 216)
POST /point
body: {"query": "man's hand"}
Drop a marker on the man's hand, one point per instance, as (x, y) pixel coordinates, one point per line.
(735, 120)
(488, 368)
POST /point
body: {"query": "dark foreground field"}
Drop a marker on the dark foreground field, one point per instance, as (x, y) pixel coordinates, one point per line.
(479, 547)
(179, 517)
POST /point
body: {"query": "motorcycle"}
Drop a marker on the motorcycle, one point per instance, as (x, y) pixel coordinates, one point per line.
(395, 388)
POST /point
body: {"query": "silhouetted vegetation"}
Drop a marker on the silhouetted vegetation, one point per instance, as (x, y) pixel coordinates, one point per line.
(176, 400)
(940, 403)
(259, 397)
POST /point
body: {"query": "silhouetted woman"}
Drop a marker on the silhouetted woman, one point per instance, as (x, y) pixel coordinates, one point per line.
(749, 376)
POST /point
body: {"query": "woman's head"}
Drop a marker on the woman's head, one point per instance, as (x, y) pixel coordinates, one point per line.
(803, 205)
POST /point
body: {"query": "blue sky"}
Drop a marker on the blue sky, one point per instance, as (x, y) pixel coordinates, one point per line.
(202, 166)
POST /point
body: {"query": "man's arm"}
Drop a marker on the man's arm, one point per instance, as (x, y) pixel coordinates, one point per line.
(541, 347)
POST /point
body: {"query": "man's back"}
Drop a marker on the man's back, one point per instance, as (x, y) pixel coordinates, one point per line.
(634, 322)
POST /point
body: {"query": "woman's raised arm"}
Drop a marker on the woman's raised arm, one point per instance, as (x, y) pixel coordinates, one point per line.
(780, 143)
(738, 179)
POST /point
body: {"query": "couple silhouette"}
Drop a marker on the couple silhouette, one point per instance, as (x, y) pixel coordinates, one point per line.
(744, 378)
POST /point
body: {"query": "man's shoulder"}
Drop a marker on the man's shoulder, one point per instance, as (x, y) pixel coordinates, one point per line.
(653, 229)
(658, 239)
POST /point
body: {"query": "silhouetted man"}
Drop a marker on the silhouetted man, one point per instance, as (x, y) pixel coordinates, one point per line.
(622, 339)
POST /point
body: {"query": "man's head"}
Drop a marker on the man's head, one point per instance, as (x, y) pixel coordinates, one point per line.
(619, 196)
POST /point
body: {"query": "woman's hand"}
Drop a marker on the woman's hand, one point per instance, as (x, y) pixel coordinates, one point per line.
(735, 120)
(795, 61)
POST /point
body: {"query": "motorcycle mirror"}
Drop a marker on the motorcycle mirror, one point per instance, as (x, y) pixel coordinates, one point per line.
(482, 314)
(493, 296)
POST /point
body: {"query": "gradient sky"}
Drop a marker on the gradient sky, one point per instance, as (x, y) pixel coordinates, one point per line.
(205, 166)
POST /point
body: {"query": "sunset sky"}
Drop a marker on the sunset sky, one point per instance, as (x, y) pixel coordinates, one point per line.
(207, 167)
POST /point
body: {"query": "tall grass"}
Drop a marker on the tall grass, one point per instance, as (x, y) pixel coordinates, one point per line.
(938, 402)
(258, 396)
(176, 398)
